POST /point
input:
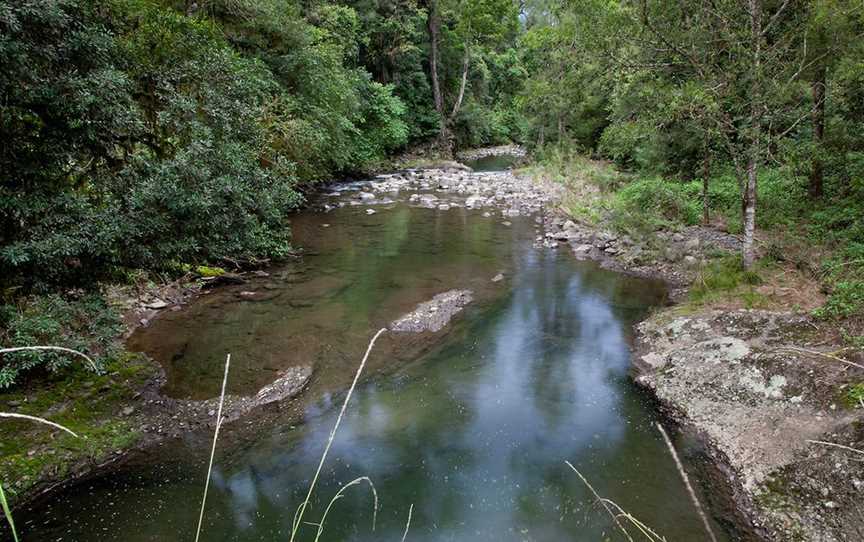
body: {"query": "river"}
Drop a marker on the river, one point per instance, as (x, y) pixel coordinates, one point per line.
(471, 426)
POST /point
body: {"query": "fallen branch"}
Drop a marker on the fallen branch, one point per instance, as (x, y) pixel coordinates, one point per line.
(826, 355)
(835, 445)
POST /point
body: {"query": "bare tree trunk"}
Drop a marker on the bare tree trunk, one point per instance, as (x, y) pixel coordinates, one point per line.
(748, 208)
(560, 128)
(540, 138)
(466, 63)
(706, 172)
(432, 25)
(748, 196)
(818, 116)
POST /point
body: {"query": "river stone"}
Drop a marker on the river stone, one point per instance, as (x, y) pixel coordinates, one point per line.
(583, 251)
(434, 314)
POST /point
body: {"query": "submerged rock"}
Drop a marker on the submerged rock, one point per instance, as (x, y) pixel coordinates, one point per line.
(434, 314)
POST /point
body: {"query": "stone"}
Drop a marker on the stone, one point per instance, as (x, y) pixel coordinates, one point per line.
(127, 411)
(692, 245)
(498, 278)
(370, 211)
(223, 280)
(156, 304)
(583, 250)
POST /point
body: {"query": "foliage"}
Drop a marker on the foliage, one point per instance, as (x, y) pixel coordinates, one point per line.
(845, 299)
(84, 323)
(651, 203)
(855, 395)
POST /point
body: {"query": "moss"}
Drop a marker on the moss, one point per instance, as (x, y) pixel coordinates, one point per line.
(205, 271)
(86, 403)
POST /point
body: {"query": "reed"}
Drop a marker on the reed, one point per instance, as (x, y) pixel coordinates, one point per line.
(298, 515)
(689, 487)
(219, 421)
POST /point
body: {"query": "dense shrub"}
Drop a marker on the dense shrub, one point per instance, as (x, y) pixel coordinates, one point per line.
(651, 203)
(84, 323)
(137, 136)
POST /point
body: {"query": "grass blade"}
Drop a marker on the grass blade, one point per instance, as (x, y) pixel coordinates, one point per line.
(7, 513)
(298, 516)
(213, 449)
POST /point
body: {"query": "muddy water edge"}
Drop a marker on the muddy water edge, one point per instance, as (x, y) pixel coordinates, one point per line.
(471, 425)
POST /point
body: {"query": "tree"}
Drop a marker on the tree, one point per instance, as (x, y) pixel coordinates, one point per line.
(468, 28)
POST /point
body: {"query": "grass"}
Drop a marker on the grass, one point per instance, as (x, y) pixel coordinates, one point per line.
(724, 278)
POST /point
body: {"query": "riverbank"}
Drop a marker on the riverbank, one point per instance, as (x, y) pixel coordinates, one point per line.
(758, 396)
(741, 362)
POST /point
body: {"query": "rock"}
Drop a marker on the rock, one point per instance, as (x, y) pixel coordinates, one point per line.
(498, 278)
(223, 280)
(691, 261)
(366, 195)
(443, 207)
(370, 211)
(259, 273)
(583, 251)
(127, 411)
(673, 253)
(247, 294)
(506, 223)
(474, 201)
(433, 315)
(156, 304)
(692, 245)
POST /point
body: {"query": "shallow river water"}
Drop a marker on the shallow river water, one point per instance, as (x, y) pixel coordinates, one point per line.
(471, 426)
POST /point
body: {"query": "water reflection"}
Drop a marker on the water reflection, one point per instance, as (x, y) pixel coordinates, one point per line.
(474, 435)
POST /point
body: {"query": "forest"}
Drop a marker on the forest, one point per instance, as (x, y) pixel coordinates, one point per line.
(147, 140)
(154, 136)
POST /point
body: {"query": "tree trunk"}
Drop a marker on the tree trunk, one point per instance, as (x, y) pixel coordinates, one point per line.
(748, 196)
(706, 172)
(466, 63)
(818, 116)
(748, 210)
(432, 25)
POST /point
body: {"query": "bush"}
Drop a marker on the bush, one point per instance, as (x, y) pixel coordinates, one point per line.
(846, 299)
(648, 204)
(85, 324)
